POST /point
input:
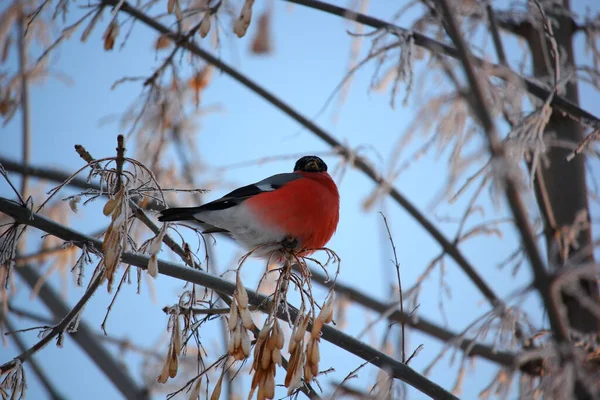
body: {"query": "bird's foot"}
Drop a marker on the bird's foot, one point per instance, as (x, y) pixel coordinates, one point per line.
(290, 242)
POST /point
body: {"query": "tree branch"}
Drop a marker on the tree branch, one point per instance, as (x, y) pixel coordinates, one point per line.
(432, 45)
(340, 339)
(84, 337)
(51, 174)
(541, 277)
(422, 324)
(37, 370)
(58, 330)
(121, 343)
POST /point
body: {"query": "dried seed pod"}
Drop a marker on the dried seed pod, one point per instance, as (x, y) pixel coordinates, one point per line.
(174, 364)
(326, 314)
(265, 357)
(216, 394)
(170, 6)
(195, 392)
(245, 343)
(153, 266)
(110, 35)
(73, 203)
(164, 374)
(109, 207)
(276, 356)
(233, 315)
(246, 319)
(205, 25)
(240, 293)
(241, 24)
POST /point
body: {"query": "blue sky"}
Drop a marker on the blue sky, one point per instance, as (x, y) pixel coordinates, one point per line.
(311, 55)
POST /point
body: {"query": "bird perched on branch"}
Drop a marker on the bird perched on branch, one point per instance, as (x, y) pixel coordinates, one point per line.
(297, 211)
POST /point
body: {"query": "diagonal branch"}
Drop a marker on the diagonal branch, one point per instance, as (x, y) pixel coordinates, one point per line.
(53, 394)
(85, 338)
(434, 46)
(332, 335)
(422, 324)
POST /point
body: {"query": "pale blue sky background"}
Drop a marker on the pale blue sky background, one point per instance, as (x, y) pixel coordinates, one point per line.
(311, 55)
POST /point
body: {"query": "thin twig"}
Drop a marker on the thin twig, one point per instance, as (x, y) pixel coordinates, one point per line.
(397, 264)
(37, 370)
(495, 34)
(25, 121)
(85, 338)
(59, 329)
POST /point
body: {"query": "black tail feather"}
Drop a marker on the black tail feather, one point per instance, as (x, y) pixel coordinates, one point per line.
(178, 214)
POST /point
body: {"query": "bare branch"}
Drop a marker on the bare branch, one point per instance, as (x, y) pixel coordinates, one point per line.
(85, 338)
(340, 339)
(421, 323)
(542, 279)
(39, 372)
(432, 45)
(58, 330)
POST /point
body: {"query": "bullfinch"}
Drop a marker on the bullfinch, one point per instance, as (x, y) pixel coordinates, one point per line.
(297, 211)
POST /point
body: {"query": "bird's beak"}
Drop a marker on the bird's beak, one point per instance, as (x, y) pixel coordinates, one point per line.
(312, 165)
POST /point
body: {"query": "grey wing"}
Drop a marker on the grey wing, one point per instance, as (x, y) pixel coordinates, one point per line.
(239, 195)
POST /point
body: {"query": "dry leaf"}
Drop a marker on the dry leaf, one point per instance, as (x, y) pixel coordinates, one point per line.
(110, 35)
(163, 42)
(262, 43)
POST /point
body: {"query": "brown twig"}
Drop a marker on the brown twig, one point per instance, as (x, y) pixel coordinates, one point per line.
(120, 161)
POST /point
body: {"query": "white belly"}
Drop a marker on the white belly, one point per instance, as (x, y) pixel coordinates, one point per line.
(245, 229)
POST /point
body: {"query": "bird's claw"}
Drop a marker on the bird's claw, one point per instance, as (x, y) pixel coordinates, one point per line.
(290, 242)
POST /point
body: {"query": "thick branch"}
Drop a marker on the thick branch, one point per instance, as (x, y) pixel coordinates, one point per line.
(346, 342)
(422, 324)
(432, 45)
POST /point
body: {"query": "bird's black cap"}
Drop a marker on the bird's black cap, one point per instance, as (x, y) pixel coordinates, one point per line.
(310, 164)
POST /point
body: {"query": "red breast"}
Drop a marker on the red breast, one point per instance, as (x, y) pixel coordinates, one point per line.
(307, 209)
